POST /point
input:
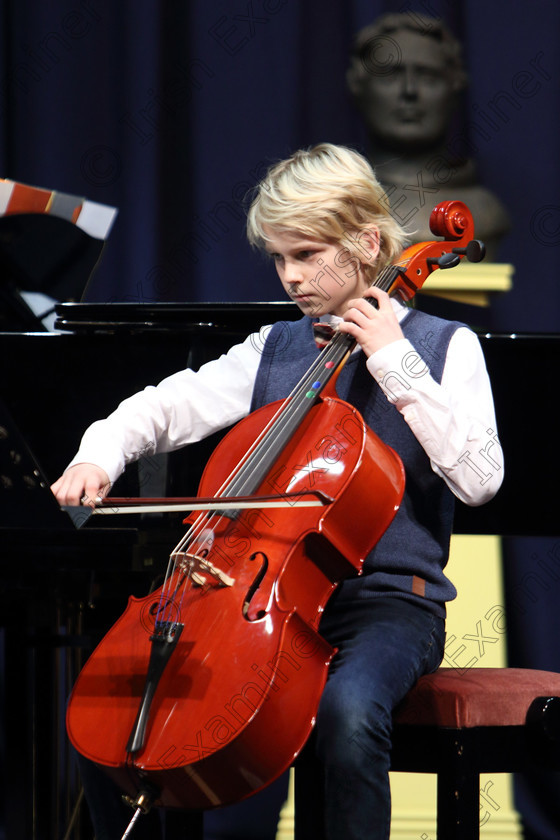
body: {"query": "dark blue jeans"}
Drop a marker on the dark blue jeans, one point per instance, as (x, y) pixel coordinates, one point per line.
(384, 646)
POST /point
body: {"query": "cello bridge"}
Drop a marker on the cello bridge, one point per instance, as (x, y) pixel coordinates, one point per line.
(198, 567)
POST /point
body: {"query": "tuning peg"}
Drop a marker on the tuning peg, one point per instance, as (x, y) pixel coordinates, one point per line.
(474, 252)
(449, 260)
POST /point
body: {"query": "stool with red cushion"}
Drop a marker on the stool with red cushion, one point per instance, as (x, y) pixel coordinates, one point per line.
(460, 724)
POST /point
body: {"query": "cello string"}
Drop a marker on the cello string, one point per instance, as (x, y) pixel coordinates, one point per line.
(242, 474)
(280, 423)
(331, 354)
(285, 409)
(384, 281)
(243, 471)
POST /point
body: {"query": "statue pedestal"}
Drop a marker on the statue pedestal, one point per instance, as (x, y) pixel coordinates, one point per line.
(472, 283)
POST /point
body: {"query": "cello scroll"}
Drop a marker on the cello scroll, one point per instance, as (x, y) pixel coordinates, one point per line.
(451, 220)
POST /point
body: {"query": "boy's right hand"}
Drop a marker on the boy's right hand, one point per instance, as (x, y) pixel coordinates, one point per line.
(82, 484)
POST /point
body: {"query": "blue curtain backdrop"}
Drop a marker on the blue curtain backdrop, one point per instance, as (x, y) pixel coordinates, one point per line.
(172, 110)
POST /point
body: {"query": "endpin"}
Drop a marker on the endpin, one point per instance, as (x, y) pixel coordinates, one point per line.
(141, 804)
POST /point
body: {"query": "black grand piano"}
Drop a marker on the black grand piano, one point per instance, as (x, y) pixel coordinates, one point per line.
(63, 583)
(113, 350)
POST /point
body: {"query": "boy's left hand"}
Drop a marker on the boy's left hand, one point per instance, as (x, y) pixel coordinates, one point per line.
(372, 327)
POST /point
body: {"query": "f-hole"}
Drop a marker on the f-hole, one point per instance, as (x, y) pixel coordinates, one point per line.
(255, 586)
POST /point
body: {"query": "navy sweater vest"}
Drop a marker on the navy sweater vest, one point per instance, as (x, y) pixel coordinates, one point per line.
(409, 559)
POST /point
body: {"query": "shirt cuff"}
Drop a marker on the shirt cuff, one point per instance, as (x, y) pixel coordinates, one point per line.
(97, 447)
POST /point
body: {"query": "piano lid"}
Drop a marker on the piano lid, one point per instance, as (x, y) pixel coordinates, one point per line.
(234, 318)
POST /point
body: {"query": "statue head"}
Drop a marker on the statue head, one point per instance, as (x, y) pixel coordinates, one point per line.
(405, 75)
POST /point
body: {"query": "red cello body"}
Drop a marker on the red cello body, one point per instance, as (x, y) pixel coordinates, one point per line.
(230, 702)
(237, 699)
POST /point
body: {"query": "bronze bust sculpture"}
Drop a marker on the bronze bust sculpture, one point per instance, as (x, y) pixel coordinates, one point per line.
(406, 75)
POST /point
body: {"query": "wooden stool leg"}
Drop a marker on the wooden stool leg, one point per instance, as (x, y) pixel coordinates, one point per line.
(458, 807)
(308, 798)
(458, 792)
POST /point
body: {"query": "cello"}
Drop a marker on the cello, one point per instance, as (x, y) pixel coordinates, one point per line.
(206, 690)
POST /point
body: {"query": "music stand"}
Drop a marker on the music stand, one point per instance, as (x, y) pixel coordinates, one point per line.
(50, 244)
(26, 500)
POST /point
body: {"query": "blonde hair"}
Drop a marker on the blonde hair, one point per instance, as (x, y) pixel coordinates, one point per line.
(328, 193)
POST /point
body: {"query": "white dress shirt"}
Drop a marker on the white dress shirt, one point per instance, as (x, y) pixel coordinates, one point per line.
(454, 421)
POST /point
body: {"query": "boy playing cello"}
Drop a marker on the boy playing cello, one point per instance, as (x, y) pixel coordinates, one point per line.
(320, 216)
